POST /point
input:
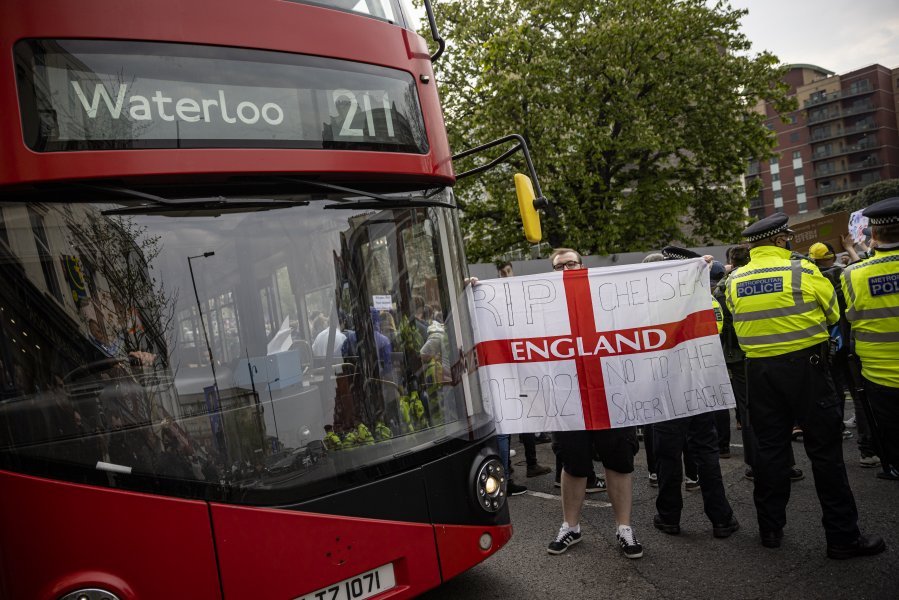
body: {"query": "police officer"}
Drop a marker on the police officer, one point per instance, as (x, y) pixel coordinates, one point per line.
(782, 308)
(696, 435)
(871, 289)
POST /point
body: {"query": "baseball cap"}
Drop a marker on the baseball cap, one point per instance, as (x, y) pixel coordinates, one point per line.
(819, 251)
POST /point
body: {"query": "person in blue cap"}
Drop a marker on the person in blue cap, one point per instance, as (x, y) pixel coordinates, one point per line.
(871, 290)
(782, 308)
(697, 437)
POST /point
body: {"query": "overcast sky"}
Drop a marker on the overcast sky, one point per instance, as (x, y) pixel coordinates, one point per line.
(839, 35)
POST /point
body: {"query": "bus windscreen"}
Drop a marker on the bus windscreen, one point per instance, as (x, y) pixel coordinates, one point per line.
(119, 95)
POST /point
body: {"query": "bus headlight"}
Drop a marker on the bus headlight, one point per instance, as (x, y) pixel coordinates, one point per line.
(490, 485)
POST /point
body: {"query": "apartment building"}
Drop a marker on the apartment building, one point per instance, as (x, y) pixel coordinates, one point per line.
(843, 136)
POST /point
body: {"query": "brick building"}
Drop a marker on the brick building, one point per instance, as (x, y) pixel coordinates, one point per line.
(843, 136)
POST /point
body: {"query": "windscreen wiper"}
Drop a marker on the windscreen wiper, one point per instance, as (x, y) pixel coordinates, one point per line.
(205, 206)
(371, 199)
(158, 204)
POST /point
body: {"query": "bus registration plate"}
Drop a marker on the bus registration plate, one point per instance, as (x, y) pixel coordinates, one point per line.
(359, 587)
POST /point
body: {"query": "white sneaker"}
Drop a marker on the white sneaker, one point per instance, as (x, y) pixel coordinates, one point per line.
(566, 538)
(850, 422)
(512, 452)
(628, 543)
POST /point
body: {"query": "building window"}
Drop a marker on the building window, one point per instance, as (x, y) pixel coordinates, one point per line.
(778, 200)
(44, 254)
(797, 154)
(800, 189)
(4, 236)
(801, 203)
(753, 168)
(774, 160)
(859, 86)
(823, 150)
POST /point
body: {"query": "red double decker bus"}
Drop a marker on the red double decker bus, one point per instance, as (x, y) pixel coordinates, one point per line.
(234, 362)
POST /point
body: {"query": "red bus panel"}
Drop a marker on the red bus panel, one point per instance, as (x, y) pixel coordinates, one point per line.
(148, 546)
(457, 546)
(268, 553)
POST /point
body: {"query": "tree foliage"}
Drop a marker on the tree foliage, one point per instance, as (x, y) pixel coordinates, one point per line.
(638, 114)
(141, 309)
(868, 195)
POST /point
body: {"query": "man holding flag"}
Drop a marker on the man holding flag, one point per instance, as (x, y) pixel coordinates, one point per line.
(614, 447)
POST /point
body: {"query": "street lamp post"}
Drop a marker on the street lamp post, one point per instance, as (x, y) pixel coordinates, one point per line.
(272, 402)
(203, 326)
(200, 311)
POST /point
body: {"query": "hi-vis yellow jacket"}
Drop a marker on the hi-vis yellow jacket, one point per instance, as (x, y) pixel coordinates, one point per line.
(871, 289)
(719, 314)
(780, 305)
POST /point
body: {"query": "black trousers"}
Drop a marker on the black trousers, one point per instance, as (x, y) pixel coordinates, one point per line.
(797, 388)
(529, 441)
(722, 426)
(650, 449)
(695, 436)
(885, 405)
(737, 372)
(842, 378)
(648, 440)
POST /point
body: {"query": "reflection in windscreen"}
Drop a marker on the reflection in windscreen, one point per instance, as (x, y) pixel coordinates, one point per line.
(250, 350)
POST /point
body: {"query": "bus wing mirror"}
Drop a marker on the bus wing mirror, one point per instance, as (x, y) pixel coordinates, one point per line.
(529, 217)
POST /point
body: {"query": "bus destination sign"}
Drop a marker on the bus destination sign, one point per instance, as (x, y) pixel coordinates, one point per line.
(80, 95)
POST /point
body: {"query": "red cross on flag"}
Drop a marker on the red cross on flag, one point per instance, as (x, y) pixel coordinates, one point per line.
(599, 348)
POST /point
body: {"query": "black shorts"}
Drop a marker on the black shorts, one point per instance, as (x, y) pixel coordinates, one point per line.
(615, 448)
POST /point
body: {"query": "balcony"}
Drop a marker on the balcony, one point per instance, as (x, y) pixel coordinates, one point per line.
(860, 127)
(821, 136)
(859, 109)
(825, 171)
(829, 115)
(838, 95)
(871, 162)
(839, 113)
(863, 165)
(823, 99)
(867, 143)
(848, 187)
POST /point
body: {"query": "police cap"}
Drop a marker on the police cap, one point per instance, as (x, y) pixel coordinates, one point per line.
(885, 212)
(767, 227)
(675, 253)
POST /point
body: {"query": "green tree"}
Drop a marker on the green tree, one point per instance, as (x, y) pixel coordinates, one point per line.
(868, 195)
(639, 115)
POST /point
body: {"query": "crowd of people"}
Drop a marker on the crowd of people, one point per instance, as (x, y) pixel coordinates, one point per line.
(799, 334)
(413, 385)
